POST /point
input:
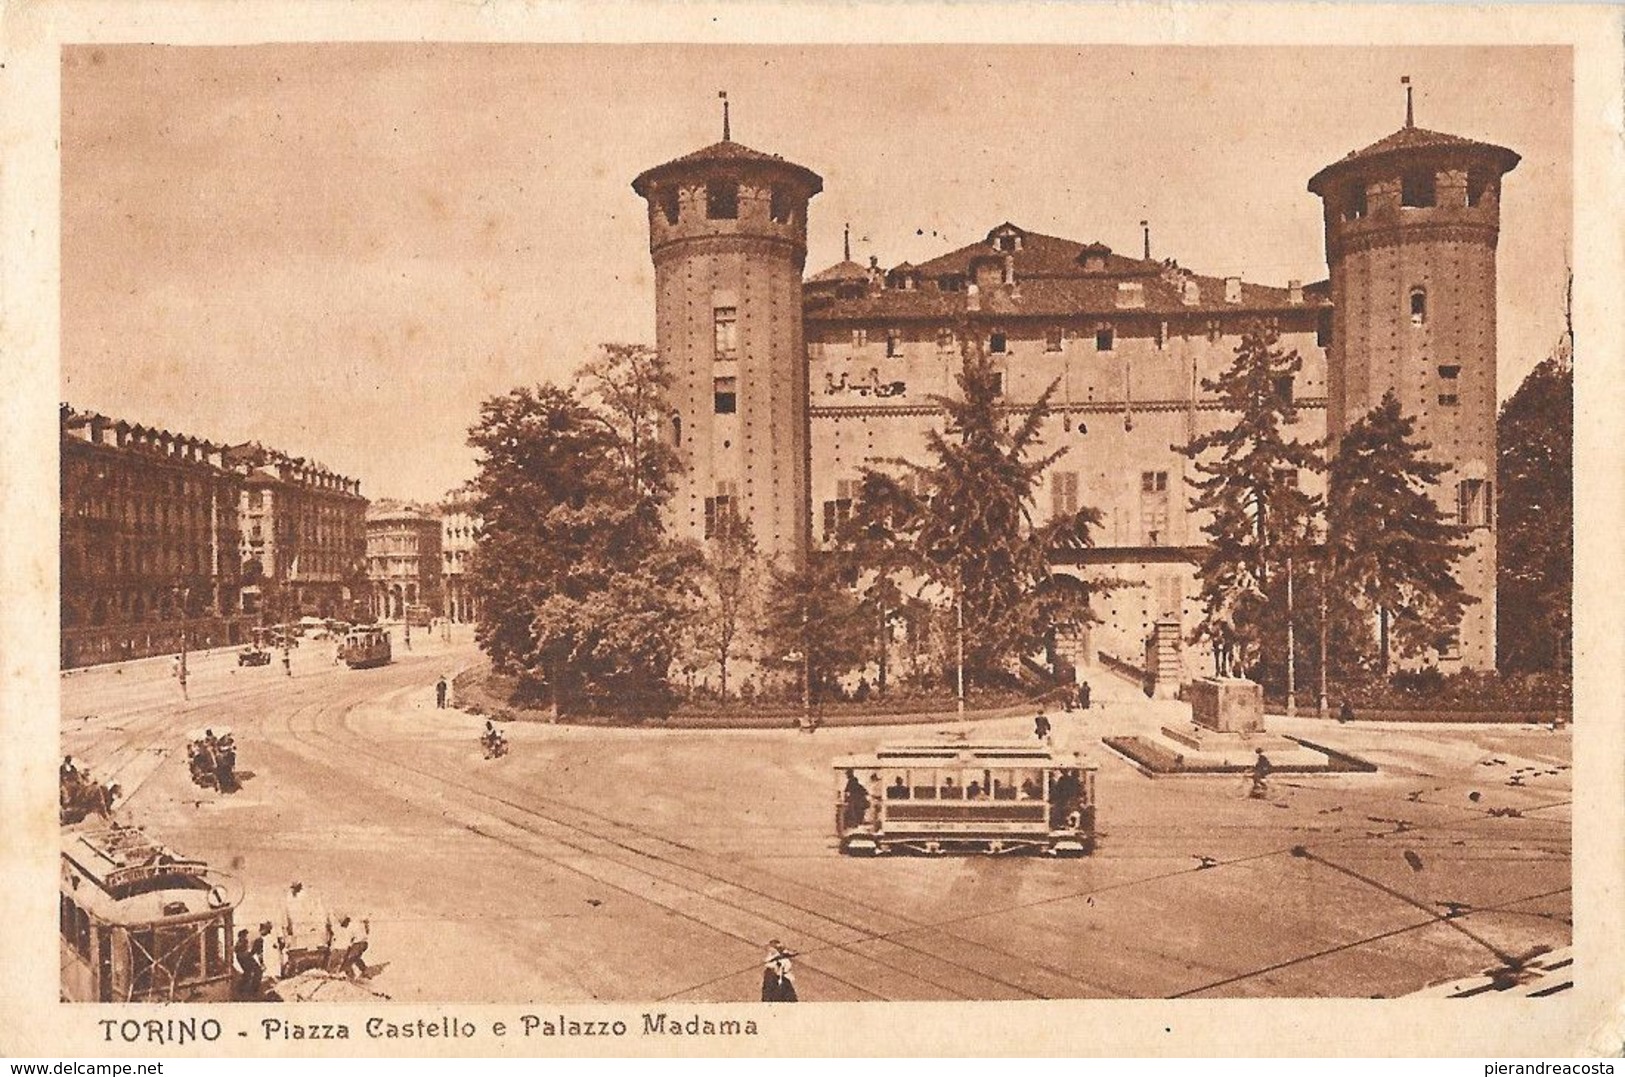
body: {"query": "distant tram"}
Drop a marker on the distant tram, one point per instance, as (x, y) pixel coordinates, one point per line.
(365, 646)
(953, 796)
(141, 924)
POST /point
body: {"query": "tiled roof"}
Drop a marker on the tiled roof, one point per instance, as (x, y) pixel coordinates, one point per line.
(725, 152)
(1039, 256)
(840, 271)
(1410, 139)
(1050, 282)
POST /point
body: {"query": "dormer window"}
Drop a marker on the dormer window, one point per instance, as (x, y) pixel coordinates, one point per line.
(722, 200)
(1094, 257)
(1418, 189)
(668, 204)
(1006, 243)
(953, 282)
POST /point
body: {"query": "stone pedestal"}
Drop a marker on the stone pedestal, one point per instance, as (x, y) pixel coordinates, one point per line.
(1164, 660)
(1226, 704)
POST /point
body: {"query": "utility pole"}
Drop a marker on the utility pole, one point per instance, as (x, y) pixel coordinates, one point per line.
(959, 619)
(184, 594)
(1291, 650)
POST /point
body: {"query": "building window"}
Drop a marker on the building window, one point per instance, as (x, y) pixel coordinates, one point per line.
(720, 510)
(951, 283)
(726, 392)
(1473, 503)
(996, 342)
(998, 383)
(1052, 339)
(1418, 189)
(1419, 306)
(946, 344)
(1063, 492)
(894, 343)
(1354, 204)
(860, 338)
(1105, 339)
(1283, 390)
(1154, 508)
(722, 200)
(1323, 330)
(668, 204)
(780, 205)
(725, 323)
(839, 511)
(1448, 395)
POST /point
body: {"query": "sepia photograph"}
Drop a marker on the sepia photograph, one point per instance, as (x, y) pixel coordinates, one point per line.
(693, 526)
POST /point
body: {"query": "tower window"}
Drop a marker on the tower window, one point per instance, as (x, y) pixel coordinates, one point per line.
(725, 324)
(720, 512)
(1052, 339)
(1473, 503)
(780, 205)
(894, 343)
(1479, 184)
(1419, 306)
(996, 342)
(668, 204)
(1283, 390)
(1105, 339)
(1354, 204)
(726, 393)
(722, 200)
(1448, 395)
(676, 429)
(1418, 189)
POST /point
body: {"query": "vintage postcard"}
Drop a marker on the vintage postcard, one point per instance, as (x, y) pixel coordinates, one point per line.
(1017, 529)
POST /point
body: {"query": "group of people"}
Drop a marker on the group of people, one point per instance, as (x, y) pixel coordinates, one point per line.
(310, 939)
(213, 761)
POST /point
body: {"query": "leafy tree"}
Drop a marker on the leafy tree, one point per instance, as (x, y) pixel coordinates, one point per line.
(579, 588)
(628, 383)
(1389, 546)
(812, 624)
(1258, 515)
(963, 520)
(726, 613)
(1535, 525)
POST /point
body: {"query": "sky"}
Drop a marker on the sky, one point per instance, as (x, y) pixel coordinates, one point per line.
(340, 250)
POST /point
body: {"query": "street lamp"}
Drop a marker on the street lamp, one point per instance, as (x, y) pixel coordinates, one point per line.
(184, 595)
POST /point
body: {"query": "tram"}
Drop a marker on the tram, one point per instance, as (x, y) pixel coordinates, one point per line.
(142, 924)
(365, 646)
(965, 797)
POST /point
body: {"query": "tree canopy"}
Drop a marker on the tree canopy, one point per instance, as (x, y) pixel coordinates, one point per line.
(1250, 489)
(1390, 548)
(1535, 528)
(963, 518)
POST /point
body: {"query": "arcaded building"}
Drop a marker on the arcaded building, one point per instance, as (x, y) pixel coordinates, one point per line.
(1411, 225)
(403, 561)
(149, 540)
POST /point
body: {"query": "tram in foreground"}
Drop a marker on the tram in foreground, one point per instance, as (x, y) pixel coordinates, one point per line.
(140, 923)
(365, 646)
(965, 797)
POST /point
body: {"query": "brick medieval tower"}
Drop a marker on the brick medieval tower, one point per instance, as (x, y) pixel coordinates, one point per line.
(728, 234)
(1411, 229)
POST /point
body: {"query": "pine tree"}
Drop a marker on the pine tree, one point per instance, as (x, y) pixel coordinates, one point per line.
(1258, 514)
(1535, 524)
(963, 519)
(1390, 547)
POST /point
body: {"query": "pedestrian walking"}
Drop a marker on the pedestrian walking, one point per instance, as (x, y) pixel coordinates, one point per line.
(287, 661)
(778, 980)
(1041, 726)
(440, 693)
(1345, 713)
(1261, 773)
(1083, 695)
(353, 934)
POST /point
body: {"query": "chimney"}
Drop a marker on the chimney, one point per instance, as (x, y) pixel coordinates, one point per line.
(973, 296)
(874, 269)
(1294, 292)
(1010, 269)
(1232, 289)
(1191, 295)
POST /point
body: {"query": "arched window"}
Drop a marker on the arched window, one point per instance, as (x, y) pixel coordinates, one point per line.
(676, 429)
(722, 200)
(1419, 306)
(1418, 189)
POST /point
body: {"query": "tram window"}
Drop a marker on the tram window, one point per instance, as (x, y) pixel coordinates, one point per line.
(924, 783)
(141, 944)
(81, 931)
(1031, 784)
(1004, 786)
(898, 789)
(180, 951)
(951, 790)
(216, 953)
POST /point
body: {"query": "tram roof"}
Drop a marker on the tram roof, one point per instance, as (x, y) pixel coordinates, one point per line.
(959, 753)
(121, 875)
